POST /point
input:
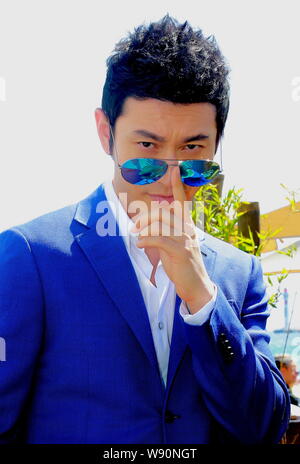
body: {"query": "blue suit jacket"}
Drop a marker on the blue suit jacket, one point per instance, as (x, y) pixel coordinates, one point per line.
(80, 360)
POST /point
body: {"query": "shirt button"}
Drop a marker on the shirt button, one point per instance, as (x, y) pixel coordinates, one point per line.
(161, 325)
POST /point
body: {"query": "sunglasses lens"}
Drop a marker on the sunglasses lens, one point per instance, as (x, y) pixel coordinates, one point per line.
(198, 172)
(141, 171)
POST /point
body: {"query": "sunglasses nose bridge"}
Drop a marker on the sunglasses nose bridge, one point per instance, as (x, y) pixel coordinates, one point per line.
(170, 164)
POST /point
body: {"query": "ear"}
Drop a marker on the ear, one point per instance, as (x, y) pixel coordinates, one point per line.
(103, 130)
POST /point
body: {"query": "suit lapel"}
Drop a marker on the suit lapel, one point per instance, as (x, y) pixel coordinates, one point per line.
(178, 344)
(109, 258)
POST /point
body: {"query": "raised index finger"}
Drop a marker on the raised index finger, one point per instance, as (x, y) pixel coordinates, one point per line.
(177, 186)
(181, 204)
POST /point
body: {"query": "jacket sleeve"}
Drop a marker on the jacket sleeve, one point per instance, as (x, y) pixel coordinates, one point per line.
(21, 304)
(241, 384)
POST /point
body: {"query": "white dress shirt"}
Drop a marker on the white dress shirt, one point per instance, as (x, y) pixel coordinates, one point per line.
(160, 299)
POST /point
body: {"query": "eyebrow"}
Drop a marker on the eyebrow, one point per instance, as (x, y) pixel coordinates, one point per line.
(159, 138)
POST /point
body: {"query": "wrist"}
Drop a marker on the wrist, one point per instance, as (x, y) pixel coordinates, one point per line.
(199, 301)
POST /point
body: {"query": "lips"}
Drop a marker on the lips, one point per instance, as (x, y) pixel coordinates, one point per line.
(160, 198)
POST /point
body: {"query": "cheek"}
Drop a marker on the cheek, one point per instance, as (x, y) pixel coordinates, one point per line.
(137, 193)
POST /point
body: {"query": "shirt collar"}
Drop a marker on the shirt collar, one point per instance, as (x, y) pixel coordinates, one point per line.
(124, 222)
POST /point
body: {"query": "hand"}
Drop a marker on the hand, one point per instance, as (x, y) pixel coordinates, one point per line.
(179, 254)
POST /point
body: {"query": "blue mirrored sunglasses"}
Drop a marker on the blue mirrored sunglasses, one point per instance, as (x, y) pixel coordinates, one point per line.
(141, 171)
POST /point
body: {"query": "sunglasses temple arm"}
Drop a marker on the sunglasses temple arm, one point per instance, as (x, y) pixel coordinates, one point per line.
(114, 145)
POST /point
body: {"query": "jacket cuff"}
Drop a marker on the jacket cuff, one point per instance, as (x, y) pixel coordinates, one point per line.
(202, 314)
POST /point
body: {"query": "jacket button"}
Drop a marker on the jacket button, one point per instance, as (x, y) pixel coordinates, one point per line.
(225, 348)
(223, 340)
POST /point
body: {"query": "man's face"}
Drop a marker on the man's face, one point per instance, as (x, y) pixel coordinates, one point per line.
(290, 374)
(156, 129)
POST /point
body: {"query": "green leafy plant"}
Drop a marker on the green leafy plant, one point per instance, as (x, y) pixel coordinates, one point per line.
(275, 281)
(219, 216)
(292, 198)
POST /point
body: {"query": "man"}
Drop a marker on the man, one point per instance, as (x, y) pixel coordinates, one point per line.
(288, 369)
(125, 327)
